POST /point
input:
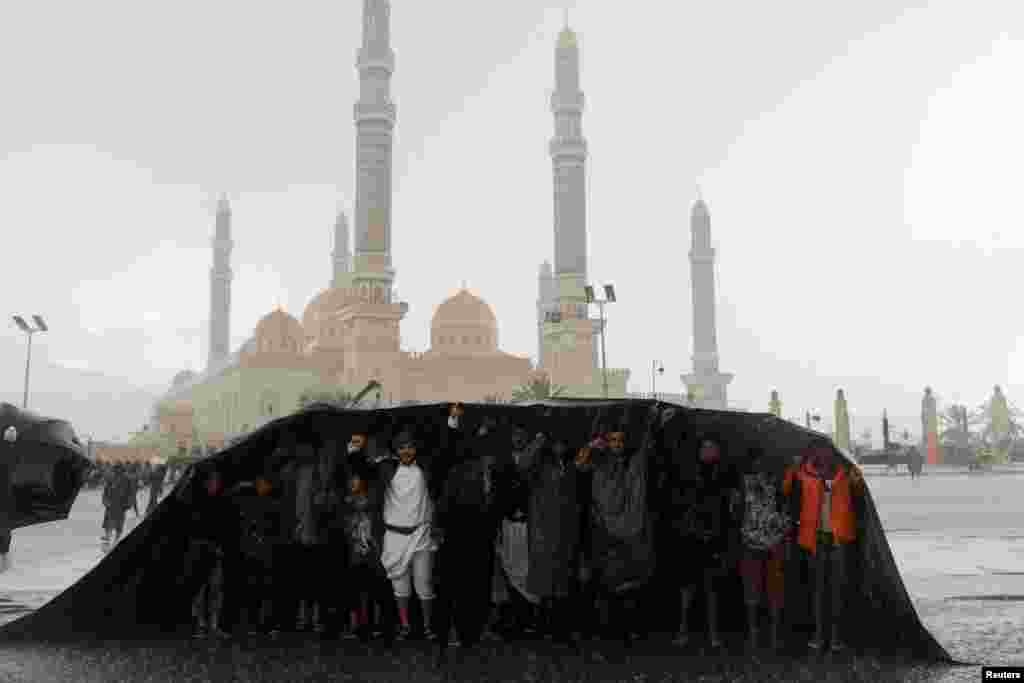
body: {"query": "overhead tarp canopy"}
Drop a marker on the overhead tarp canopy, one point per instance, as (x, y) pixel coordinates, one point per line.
(145, 586)
(42, 468)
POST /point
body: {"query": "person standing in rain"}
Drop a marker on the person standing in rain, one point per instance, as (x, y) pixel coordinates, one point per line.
(119, 495)
(467, 515)
(554, 529)
(705, 521)
(155, 479)
(409, 544)
(621, 530)
(765, 526)
(826, 490)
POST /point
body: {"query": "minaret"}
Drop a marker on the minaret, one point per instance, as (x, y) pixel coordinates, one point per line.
(220, 287)
(372, 318)
(570, 341)
(341, 256)
(705, 383)
(568, 158)
(545, 304)
(374, 115)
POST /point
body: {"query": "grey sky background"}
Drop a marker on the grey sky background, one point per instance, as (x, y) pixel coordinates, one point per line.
(861, 162)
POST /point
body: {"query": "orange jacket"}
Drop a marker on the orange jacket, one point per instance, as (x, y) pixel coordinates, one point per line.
(845, 486)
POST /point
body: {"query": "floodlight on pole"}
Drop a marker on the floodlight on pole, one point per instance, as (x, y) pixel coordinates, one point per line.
(609, 292)
(29, 331)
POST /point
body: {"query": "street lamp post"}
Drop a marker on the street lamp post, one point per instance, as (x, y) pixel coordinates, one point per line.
(657, 368)
(609, 298)
(29, 330)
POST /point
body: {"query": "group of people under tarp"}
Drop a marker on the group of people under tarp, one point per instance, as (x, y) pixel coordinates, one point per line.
(554, 532)
(121, 484)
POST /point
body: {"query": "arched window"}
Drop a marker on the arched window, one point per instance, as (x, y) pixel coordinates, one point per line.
(478, 341)
(465, 339)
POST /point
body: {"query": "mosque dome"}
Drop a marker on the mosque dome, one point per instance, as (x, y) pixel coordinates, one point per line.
(326, 302)
(464, 322)
(278, 331)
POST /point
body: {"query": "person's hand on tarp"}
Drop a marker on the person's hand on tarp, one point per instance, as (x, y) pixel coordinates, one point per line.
(667, 414)
(455, 413)
(584, 457)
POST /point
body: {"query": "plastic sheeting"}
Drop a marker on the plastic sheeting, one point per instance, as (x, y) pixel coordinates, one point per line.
(145, 586)
(42, 468)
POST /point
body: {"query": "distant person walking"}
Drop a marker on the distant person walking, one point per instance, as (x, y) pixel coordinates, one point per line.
(915, 463)
(155, 479)
(118, 497)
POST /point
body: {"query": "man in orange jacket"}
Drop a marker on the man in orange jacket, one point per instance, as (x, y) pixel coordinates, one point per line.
(826, 488)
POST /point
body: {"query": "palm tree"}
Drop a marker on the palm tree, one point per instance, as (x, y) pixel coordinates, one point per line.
(958, 428)
(538, 388)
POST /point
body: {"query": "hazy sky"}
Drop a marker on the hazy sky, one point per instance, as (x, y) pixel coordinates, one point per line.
(861, 162)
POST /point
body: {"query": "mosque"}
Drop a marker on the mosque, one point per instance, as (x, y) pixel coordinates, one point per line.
(349, 332)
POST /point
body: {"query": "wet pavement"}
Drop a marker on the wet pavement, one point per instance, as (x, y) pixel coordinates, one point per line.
(957, 538)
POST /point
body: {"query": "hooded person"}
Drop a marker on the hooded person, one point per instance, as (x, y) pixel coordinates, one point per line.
(704, 528)
(469, 514)
(408, 545)
(554, 528)
(826, 492)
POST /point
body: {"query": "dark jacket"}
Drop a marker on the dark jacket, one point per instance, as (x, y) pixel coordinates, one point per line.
(621, 528)
(119, 494)
(554, 526)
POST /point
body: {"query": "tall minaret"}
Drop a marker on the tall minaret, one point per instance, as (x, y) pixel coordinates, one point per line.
(220, 287)
(545, 304)
(568, 158)
(569, 352)
(341, 256)
(706, 384)
(375, 123)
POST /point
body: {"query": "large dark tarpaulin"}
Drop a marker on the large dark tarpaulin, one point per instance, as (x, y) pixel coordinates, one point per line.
(145, 587)
(41, 470)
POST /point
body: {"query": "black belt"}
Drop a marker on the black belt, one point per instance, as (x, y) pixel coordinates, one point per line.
(404, 530)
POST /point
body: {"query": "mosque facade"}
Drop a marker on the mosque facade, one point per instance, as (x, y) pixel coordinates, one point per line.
(349, 333)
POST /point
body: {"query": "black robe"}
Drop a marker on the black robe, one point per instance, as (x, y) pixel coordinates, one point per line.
(469, 516)
(554, 523)
(621, 532)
